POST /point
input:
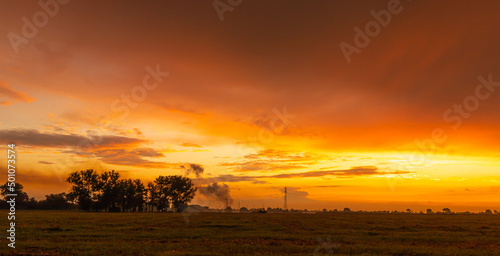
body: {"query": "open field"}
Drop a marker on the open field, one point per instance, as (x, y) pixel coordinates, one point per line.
(79, 233)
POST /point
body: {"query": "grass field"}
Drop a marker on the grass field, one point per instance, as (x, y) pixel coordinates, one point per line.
(79, 233)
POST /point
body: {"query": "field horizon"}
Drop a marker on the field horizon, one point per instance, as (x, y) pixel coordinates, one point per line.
(340, 233)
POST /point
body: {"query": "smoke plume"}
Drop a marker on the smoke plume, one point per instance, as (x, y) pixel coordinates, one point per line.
(218, 192)
(194, 168)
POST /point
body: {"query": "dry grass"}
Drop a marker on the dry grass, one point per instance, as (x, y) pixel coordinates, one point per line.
(79, 233)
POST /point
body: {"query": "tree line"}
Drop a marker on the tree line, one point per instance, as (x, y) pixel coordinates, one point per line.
(23, 201)
(94, 191)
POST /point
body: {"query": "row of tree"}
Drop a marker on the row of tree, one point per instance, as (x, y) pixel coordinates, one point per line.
(23, 201)
(93, 191)
(106, 191)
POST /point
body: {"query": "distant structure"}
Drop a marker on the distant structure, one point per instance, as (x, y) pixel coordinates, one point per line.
(286, 207)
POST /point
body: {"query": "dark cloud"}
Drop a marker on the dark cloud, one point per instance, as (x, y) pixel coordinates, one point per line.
(127, 157)
(146, 152)
(44, 162)
(34, 137)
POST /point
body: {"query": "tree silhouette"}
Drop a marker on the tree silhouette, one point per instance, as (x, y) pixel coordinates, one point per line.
(22, 197)
(152, 196)
(108, 186)
(131, 195)
(84, 189)
(177, 190)
(138, 199)
(182, 191)
(55, 202)
(159, 192)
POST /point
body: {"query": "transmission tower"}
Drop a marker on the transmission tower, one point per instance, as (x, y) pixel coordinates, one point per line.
(286, 207)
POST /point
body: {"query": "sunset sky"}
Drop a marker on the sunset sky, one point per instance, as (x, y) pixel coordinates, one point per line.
(263, 99)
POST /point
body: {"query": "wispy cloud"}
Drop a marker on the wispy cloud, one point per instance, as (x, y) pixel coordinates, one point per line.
(352, 172)
(8, 95)
(230, 178)
(356, 171)
(133, 157)
(271, 160)
(191, 145)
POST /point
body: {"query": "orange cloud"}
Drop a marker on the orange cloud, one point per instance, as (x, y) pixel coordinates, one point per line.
(271, 160)
(191, 145)
(12, 96)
